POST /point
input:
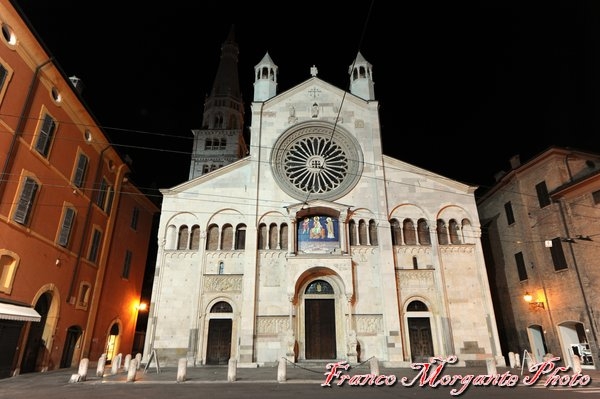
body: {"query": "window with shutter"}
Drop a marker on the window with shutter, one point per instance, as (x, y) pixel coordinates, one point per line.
(3, 75)
(65, 228)
(23, 210)
(95, 246)
(127, 264)
(45, 135)
(81, 168)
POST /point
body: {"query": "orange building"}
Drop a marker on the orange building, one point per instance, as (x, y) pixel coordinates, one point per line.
(74, 229)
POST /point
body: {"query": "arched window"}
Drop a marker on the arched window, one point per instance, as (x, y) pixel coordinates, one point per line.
(240, 236)
(454, 229)
(262, 236)
(221, 307)
(408, 230)
(352, 232)
(396, 232)
(417, 306)
(182, 242)
(273, 236)
(423, 232)
(283, 236)
(373, 232)
(442, 232)
(362, 233)
(319, 287)
(212, 237)
(171, 239)
(227, 238)
(221, 267)
(195, 244)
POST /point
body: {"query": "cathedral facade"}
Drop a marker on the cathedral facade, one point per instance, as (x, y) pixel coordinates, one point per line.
(315, 245)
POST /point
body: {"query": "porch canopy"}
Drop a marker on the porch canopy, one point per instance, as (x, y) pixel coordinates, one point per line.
(19, 313)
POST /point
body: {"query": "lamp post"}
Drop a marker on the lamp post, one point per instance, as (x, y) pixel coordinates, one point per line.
(140, 307)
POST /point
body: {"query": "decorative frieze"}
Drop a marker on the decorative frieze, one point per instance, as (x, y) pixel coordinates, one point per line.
(222, 254)
(368, 324)
(222, 283)
(272, 325)
(415, 278)
(179, 254)
(462, 248)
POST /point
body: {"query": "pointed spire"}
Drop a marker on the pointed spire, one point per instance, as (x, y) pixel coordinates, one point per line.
(361, 78)
(226, 82)
(265, 79)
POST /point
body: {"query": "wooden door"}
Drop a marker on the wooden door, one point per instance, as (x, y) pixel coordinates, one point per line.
(219, 341)
(421, 344)
(73, 334)
(320, 328)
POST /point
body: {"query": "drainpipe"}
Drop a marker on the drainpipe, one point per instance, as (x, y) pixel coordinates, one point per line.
(88, 215)
(98, 287)
(10, 155)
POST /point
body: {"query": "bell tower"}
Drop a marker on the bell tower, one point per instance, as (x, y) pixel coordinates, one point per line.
(221, 141)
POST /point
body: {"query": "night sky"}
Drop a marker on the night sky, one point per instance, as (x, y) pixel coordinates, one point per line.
(462, 86)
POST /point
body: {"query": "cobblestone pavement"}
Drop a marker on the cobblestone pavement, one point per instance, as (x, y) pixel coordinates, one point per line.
(294, 377)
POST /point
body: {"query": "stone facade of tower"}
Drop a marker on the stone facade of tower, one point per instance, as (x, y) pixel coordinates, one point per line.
(221, 141)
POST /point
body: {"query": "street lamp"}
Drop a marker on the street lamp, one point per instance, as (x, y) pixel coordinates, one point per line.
(534, 305)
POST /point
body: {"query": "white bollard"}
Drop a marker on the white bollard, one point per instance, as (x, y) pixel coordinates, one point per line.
(131, 371)
(231, 370)
(491, 366)
(576, 364)
(127, 362)
(182, 369)
(511, 359)
(138, 358)
(374, 363)
(83, 369)
(114, 367)
(281, 371)
(101, 365)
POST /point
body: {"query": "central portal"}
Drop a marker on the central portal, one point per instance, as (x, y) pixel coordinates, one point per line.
(320, 328)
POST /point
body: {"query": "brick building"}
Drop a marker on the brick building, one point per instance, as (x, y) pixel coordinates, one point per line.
(74, 228)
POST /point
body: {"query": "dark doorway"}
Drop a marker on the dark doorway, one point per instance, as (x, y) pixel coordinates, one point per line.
(35, 350)
(73, 334)
(219, 341)
(320, 328)
(421, 345)
(10, 330)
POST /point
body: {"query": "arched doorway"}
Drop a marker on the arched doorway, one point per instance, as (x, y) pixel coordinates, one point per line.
(218, 348)
(419, 331)
(112, 342)
(538, 342)
(73, 335)
(575, 342)
(35, 350)
(319, 320)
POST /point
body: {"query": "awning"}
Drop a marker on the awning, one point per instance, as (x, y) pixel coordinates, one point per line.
(20, 313)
